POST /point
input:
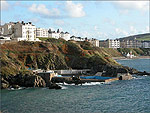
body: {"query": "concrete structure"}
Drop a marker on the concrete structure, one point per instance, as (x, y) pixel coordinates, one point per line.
(113, 43)
(72, 72)
(47, 76)
(41, 32)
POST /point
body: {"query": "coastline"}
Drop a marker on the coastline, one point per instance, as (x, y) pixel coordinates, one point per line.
(137, 57)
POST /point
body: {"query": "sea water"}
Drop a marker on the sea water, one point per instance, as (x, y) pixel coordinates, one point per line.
(130, 96)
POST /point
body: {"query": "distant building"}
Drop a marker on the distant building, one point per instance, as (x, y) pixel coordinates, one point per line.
(41, 32)
(130, 44)
(77, 38)
(94, 42)
(65, 35)
(58, 34)
(110, 43)
(7, 28)
(145, 44)
(25, 31)
(103, 44)
(53, 34)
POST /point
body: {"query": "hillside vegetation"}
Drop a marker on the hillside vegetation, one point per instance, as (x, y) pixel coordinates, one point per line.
(142, 37)
(54, 54)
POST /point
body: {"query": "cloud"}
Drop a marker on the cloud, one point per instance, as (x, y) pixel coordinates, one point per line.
(95, 28)
(59, 22)
(121, 32)
(34, 20)
(75, 10)
(109, 21)
(4, 5)
(147, 28)
(43, 11)
(133, 30)
(126, 6)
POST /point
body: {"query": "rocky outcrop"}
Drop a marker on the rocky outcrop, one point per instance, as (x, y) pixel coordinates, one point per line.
(54, 86)
(4, 83)
(143, 73)
(34, 81)
(22, 80)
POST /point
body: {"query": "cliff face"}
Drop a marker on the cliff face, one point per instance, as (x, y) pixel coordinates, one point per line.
(54, 54)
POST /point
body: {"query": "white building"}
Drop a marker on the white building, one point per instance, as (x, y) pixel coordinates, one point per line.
(94, 42)
(53, 34)
(40, 32)
(65, 35)
(25, 31)
(145, 44)
(113, 43)
(77, 38)
(58, 34)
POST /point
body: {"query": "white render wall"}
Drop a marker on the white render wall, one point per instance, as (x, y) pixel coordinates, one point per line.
(114, 43)
(54, 35)
(40, 32)
(65, 36)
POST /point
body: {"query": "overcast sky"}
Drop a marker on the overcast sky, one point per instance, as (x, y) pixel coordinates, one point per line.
(92, 19)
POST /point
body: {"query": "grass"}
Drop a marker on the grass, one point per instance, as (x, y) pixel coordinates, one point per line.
(43, 38)
(146, 38)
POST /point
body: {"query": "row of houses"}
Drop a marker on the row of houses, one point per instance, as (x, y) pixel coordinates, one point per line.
(21, 31)
(116, 43)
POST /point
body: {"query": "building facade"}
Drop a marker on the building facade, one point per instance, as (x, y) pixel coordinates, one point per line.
(130, 44)
(41, 32)
(58, 34)
(145, 44)
(25, 31)
(94, 42)
(110, 43)
(7, 28)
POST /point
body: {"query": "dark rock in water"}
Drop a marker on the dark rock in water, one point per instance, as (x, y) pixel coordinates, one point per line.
(143, 73)
(126, 76)
(54, 86)
(15, 86)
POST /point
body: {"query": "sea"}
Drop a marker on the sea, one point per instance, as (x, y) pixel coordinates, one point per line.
(127, 96)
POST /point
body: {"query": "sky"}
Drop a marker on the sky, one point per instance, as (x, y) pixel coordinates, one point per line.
(93, 19)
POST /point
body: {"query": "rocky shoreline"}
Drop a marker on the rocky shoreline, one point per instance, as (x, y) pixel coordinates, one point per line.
(137, 57)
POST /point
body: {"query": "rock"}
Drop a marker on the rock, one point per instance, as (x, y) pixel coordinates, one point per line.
(34, 81)
(143, 73)
(15, 86)
(4, 83)
(126, 76)
(54, 86)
